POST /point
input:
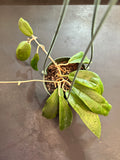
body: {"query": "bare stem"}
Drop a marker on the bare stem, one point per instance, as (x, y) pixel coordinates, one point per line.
(37, 49)
(26, 81)
(67, 82)
(44, 50)
(63, 64)
(66, 75)
(59, 86)
(58, 81)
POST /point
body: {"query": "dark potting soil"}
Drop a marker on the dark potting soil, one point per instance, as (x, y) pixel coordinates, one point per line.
(52, 75)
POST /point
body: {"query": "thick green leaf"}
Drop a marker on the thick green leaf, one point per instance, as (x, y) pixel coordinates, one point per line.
(88, 79)
(50, 108)
(93, 100)
(65, 113)
(34, 62)
(90, 119)
(23, 51)
(78, 57)
(25, 27)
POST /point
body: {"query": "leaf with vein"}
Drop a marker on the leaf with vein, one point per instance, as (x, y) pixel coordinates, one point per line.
(88, 79)
(78, 57)
(65, 113)
(50, 109)
(90, 119)
(93, 100)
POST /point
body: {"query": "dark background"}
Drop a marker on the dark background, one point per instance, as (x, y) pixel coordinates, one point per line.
(48, 2)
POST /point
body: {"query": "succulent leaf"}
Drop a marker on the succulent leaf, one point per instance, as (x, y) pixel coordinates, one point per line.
(23, 51)
(25, 27)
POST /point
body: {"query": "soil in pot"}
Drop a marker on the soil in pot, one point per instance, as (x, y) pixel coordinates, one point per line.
(53, 75)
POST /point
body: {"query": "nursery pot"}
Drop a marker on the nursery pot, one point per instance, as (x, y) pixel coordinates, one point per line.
(58, 60)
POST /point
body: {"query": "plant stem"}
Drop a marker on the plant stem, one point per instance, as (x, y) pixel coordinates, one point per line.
(58, 89)
(43, 48)
(26, 81)
(37, 49)
(66, 75)
(65, 4)
(111, 3)
(67, 82)
(96, 3)
(63, 64)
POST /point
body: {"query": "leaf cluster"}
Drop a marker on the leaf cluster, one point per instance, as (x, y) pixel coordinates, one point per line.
(85, 98)
(23, 50)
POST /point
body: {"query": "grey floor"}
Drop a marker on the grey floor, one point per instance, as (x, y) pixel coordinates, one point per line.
(24, 133)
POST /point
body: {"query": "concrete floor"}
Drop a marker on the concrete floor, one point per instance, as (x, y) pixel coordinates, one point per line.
(24, 133)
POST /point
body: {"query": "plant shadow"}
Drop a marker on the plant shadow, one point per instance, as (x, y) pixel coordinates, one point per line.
(73, 137)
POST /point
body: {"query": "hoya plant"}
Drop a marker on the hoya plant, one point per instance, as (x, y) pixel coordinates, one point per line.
(68, 81)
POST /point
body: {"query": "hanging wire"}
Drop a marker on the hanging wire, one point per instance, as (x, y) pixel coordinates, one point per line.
(111, 3)
(96, 3)
(62, 15)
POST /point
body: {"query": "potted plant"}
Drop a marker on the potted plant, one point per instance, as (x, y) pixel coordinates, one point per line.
(67, 80)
